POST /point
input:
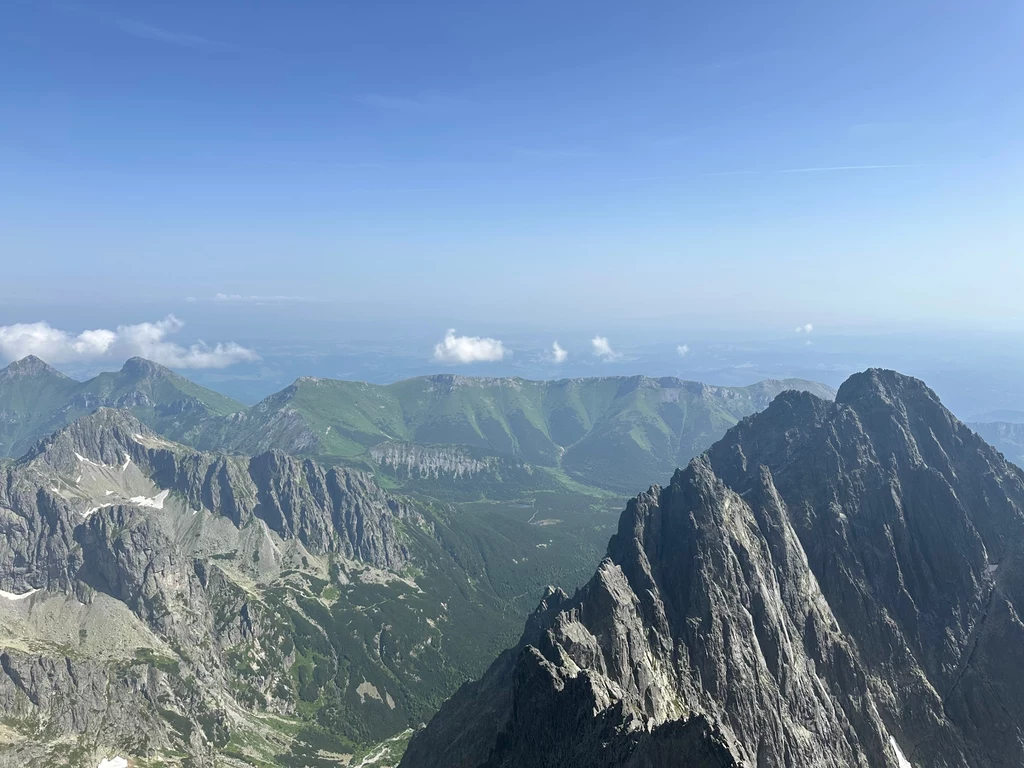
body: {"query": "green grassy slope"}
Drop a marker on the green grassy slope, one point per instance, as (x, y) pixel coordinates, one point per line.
(618, 433)
(36, 399)
(31, 392)
(615, 432)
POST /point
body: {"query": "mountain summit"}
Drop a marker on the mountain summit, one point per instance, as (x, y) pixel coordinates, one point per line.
(36, 399)
(30, 365)
(831, 584)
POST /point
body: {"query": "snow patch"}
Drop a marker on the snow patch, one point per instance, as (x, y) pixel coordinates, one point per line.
(84, 460)
(156, 502)
(107, 493)
(901, 761)
(11, 596)
(127, 461)
(113, 762)
(991, 568)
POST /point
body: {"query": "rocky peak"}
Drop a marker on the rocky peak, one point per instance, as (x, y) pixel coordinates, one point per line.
(831, 584)
(30, 366)
(141, 368)
(106, 436)
(884, 386)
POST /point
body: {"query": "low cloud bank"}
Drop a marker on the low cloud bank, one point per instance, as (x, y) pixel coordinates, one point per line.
(147, 340)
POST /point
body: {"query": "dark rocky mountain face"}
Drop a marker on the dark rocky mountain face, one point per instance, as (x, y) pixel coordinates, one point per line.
(149, 593)
(831, 584)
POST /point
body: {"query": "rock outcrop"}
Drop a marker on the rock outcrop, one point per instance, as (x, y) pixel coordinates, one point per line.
(831, 584)
(329, 509)
(157, 553)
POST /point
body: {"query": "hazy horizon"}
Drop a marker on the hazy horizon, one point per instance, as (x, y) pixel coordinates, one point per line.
(975, 374)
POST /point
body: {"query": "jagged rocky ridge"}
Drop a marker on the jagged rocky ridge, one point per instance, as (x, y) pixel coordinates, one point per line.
(145, 533)
(328, 509)
(831, 584)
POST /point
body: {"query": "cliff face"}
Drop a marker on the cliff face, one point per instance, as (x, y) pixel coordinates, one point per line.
(328, 509)
(134, 603)
(832, 584)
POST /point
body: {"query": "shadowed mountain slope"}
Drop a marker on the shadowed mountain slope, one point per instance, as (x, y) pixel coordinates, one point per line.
(831, 584)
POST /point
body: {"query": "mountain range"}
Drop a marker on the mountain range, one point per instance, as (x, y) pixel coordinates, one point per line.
(505, 434)
(830, 584)
(175, 605)
(304, 582)
(36, 399)
(185, 579)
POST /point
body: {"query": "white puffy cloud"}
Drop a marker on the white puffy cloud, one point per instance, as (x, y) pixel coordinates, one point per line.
(468, 349)
(804, 328)
(558, 354)
(683, 350)
(603, 349)
(147, 340)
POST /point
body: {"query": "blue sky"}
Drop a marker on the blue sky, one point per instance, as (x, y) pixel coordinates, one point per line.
(576, 165)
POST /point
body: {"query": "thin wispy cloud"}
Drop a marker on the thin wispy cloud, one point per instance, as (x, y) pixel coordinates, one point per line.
(683, 350)
(743, 60)
(238, 298)
(830, 168)
(603, 349)
(235, 298)
(387, 190)
(417, 102)
(556, 153)
(634, 179)
(141, 29)
(878, 128)
(147, 340)
(351, 166)
(666, 142)
(390, 102)
(806, 328)
(468, 349)
(733, 173)
(819, 169)
(558, 354)
(161, 35)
